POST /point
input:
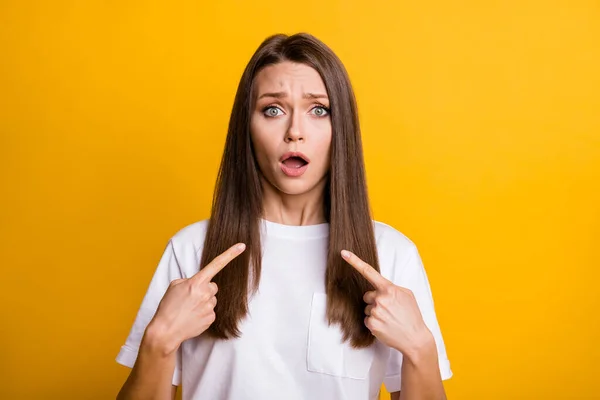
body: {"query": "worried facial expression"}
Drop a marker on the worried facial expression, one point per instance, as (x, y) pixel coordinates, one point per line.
(291, 127)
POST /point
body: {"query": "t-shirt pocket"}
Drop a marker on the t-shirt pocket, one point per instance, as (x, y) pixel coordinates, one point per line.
(327, 353)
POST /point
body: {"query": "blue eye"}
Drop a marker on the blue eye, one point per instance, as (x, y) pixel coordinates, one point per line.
(320, 111)
(272, 111)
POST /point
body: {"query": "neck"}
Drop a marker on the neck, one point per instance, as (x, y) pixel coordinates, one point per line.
(294, 209)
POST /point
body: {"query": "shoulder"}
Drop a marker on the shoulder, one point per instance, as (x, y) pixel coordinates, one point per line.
(395, 250)
(187, 245)
(389, 238)
(191, 234)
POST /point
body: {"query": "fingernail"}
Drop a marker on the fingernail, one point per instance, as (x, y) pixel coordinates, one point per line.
(240, 247)
(345, 254)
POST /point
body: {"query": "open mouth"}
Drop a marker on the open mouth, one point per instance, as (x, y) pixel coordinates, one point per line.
(294, 164)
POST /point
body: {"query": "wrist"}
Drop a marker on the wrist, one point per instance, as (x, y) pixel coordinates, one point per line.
(422, 350)
(158, 341)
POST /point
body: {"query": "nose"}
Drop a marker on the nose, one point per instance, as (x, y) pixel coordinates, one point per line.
(294, 132)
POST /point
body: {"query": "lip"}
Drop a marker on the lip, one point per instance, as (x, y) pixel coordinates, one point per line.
(293, 172)
(291, 154)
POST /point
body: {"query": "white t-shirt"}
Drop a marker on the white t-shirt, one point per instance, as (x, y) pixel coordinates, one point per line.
(287, 349)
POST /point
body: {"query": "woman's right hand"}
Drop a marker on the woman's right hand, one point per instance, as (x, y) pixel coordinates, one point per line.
(187, 308)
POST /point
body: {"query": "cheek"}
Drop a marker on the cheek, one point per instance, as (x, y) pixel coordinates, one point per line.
(257, 136)
(323, 142)
(265, 149)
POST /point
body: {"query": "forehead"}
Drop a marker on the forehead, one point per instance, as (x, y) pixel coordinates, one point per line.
(289, 76)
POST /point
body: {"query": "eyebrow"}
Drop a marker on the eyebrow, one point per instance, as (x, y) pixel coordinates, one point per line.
(281, 95)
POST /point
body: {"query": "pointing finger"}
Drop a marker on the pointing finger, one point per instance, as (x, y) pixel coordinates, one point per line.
(367, 271)
(216, 265)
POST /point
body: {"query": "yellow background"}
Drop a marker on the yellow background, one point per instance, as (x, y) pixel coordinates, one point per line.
(481, 124)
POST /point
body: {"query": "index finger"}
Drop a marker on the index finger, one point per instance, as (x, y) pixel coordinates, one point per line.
(367, 271)
(216, 265)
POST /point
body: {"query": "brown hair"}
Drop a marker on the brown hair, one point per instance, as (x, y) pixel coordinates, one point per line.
(237, 201)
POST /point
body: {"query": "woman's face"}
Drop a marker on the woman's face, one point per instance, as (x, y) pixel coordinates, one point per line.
(291, 127)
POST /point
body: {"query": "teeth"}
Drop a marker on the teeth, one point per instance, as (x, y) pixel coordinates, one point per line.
(298, 157)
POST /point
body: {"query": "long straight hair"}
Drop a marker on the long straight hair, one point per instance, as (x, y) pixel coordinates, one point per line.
(237, 202)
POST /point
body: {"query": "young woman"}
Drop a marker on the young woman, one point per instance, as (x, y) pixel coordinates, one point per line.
(315, 300)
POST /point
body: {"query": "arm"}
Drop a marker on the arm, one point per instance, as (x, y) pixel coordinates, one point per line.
(393, 316)
(151, 375)
(185, 311)
(421, 377)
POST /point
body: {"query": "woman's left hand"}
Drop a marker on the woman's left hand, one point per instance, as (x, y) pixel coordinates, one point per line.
(392, 313)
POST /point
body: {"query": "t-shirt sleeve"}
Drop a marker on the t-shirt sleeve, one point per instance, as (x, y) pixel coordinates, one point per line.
(168, 270)
(411, 274)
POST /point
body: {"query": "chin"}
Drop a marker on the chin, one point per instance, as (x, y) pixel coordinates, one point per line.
(297, 186)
